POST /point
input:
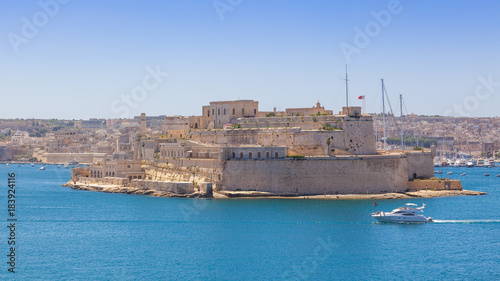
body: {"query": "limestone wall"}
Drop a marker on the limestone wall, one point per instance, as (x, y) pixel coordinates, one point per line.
(420, 165)
(435, 185)
(374, 174)
(357, 137)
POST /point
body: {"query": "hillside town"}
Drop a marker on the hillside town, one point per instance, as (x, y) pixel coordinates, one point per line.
(60, 141)
(308, 151)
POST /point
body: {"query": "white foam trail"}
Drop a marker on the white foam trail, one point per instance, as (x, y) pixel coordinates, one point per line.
(466, 221)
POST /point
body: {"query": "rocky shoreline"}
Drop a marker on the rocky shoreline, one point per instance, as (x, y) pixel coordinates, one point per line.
(258, 194)
(131, 190)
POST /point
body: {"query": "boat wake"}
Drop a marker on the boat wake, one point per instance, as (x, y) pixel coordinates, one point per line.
(466, 221)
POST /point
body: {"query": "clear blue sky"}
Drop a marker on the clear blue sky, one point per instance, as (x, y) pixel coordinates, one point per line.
(84, 56)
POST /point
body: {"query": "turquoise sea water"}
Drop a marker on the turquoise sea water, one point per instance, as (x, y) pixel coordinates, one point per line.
(66, 234)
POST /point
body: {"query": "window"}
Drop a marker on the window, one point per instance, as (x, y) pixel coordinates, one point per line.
(242, 111)
(234, 111)
(258, 154)
(267, 154)
(218, 111)
(276, 155)
(255, 111)
(208, 113)
(213, 111)
(224, 111)
(249, 154)
(234, 155)
(128, 166)
(241, 154)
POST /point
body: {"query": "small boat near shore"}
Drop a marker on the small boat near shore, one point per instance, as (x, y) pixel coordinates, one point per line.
(403, 214)
(42, 168)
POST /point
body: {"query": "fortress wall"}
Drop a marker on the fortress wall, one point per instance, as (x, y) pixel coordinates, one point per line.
(193, 162)
(350, 175)
(435, 185)
(357, 137)
(360, 137)
(420, 165)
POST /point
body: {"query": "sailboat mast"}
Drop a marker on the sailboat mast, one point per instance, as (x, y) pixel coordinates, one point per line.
(346, 92)
(401, 106)
(383, 112)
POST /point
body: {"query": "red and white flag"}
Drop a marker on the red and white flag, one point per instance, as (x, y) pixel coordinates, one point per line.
(361, 97)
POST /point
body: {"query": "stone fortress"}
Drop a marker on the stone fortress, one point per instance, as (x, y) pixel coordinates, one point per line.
(235, 147)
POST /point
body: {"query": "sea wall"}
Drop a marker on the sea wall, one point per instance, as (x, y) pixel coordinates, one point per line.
(328, 175)
(435, 184)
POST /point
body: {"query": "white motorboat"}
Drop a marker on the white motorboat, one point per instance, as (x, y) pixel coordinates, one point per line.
(32, 165)
(486, 163)
(403, 214)
(42, 168)
(470, 164)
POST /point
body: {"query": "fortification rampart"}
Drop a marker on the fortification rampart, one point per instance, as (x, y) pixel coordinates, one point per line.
(308, 176)
(357, 137)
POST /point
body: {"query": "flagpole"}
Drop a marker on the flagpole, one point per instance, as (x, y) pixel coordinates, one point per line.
(363, 109)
